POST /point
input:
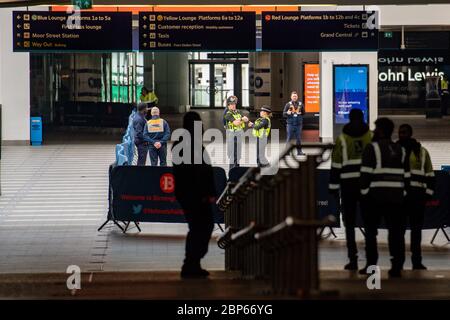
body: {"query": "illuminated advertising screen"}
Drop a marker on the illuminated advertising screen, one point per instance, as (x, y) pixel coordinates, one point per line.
(311, 87)
(351, 91)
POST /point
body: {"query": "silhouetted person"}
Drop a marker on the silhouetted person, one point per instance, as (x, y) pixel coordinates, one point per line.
(195, 191)
(345, 175)
(384, 180)
(421, 189)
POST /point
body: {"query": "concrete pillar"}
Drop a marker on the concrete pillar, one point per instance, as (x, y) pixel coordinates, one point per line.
(172, 79)
(251, 82)
(86, 86)
(148, 70)
(14, 85)
(293, 77)
(261, 79)
(273, 76)
(277, 81)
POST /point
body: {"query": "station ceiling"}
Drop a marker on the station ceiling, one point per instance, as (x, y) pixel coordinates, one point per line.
(17, 3)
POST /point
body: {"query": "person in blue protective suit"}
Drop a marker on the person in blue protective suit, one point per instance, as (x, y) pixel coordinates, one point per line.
(157, 134)
(293, 113)
(139, 125)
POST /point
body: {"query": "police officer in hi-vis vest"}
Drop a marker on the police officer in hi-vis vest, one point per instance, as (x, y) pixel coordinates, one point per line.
(384, 181)
(234, 125)
(421, 189)
(261, 131)
(345, 174)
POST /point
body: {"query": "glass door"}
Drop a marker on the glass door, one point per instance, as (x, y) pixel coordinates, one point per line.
(200, 84)
(223, 83)
(212, 82)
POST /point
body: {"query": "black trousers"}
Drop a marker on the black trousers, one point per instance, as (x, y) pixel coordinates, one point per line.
(201, 223)
(142, 150)
(415, 212)
(393, 215)
(350, 201)
(445, 102)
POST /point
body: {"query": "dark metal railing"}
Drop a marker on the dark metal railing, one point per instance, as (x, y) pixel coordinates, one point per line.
(272, 222)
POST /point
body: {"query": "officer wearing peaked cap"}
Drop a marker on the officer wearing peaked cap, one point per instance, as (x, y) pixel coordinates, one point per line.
(234, 124)
(261, 131)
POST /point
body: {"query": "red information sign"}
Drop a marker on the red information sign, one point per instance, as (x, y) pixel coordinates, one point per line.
(312, 87)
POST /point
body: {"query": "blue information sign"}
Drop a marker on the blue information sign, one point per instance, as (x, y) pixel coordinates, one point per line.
(351, 91)
(47, 31)
(197, 31)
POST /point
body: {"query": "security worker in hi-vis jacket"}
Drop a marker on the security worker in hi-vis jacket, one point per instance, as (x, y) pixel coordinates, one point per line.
(421, 189)
(294, 111)
(345, 174)
(261, 131)
(234, 125)
(157, 134)
(384, 181)
(149, 97)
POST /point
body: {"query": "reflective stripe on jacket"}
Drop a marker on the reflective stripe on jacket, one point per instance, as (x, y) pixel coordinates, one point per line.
(384, 172)
(422, 174)
(346, 159)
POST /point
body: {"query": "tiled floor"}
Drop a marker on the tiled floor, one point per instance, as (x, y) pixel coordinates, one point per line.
(54, 198)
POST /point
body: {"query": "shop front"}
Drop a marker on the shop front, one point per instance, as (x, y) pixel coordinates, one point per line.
(403, 73)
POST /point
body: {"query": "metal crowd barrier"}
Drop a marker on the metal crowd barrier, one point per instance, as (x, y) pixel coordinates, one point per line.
(271, 223)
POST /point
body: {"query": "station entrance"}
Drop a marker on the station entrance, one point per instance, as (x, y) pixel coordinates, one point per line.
(57, 195)
(98, 90)
(212, 80)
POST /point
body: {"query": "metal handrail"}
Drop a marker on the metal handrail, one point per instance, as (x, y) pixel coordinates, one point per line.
(290, 222)
(256, 174)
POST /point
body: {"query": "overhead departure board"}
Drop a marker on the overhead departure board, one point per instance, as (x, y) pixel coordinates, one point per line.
(320, 31)
(197, 31)
(47, 31)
